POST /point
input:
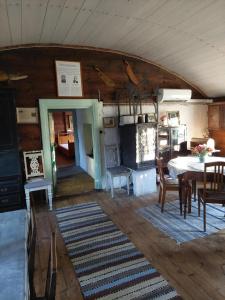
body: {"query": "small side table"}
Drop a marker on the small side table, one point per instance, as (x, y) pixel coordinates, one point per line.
(118, 172)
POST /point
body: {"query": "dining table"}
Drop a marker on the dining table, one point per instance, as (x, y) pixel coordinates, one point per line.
(188, 168)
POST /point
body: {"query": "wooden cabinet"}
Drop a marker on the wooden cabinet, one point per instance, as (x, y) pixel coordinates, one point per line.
(8, 133)
(216, 116)
(171, 140)
(11, 188)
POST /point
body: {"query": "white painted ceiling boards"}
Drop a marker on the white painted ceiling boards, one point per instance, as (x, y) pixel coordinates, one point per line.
(184, 36)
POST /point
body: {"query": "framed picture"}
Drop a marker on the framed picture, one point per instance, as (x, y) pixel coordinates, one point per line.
(68, 76)
(27, 115)
(109, 122)
(151, 117)
(173, 118)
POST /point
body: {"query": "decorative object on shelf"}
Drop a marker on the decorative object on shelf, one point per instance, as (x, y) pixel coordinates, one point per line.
(105, 78)
(109, 122)
(201, 151)
(27, 115)
(150, 118)
(69, 81)
(173, 118)
(163, 120)
(205, 132)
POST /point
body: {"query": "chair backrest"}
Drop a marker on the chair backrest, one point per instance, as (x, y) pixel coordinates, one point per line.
(50, 287)
(160, 166)
(214, 176)
(34, 164)
(31, 246)
(112, 156)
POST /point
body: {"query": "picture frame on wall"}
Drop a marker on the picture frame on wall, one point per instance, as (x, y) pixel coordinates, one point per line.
(69, 79)
(109, 122)
(173, 118)
(27, 115)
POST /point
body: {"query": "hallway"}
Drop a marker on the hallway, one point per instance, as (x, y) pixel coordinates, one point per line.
(72, 181)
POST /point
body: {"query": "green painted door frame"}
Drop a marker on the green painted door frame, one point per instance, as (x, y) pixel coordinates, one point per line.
(96, 109)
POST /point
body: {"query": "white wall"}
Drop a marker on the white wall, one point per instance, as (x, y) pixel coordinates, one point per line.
(195, 116)
(84, 116)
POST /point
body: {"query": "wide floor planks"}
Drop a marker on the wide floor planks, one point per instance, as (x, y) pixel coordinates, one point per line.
(196, 269)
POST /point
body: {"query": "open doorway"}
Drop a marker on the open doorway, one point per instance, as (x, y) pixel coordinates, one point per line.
(73, 145)
(91, 113)
(64, 140)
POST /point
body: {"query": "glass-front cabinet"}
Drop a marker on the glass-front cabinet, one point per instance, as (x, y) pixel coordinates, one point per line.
(170, 140)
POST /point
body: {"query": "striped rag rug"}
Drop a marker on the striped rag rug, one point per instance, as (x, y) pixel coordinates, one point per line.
(183, 230)
(107, 264)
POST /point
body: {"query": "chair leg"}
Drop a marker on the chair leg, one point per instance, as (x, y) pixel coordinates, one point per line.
(204, 215)
(50, 197)
(180, 195)
(199, 206)
(163, 199)
(128, 184)
(27, 194)
(111, 186)
(160, 193)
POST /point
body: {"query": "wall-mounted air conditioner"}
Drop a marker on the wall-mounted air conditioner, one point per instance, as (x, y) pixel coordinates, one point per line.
(173, 95)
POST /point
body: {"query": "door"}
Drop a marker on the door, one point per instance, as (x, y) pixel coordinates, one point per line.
(52, 147)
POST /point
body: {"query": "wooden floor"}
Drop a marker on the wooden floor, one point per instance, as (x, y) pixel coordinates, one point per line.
(196, 269)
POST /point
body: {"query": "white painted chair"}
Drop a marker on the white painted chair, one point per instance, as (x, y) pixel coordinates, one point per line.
(114, 169)
(35, 176)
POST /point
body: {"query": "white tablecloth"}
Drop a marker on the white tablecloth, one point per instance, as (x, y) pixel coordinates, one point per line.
(183, 164)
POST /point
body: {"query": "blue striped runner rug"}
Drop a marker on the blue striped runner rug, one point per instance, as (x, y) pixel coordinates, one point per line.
(107, 264)
(183, 230)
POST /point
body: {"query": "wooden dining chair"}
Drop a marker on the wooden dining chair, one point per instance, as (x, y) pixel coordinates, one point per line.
(166, 183)
(213, 187)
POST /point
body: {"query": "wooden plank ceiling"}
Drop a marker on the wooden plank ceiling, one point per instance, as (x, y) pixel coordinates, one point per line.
(184, 36)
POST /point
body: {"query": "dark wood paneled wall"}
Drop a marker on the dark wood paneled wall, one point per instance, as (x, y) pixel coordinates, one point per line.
(39, 64)
(59, 121)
